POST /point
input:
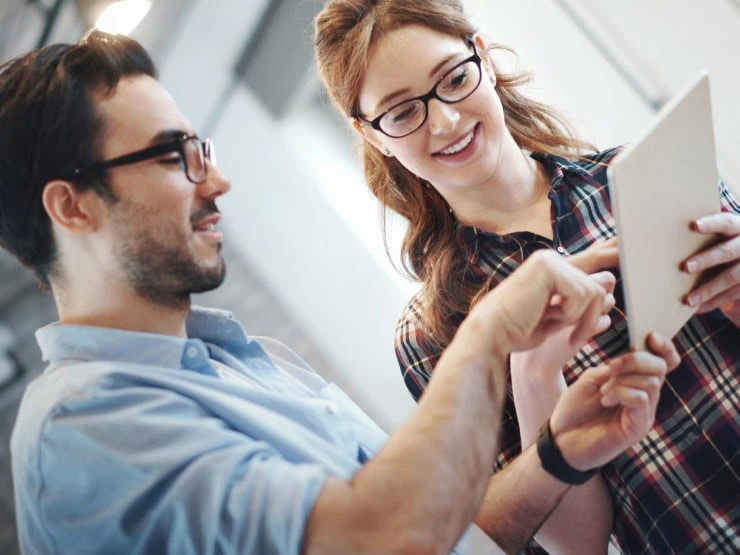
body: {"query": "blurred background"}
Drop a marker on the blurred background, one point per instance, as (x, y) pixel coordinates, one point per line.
(306, 262)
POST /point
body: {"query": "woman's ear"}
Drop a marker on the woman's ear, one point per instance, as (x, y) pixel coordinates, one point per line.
(482, 47)
(370, 137)
(480, 43)
(73, 210)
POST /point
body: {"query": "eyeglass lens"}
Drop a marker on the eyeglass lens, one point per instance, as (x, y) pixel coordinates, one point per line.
(196, 155)
(456, 85)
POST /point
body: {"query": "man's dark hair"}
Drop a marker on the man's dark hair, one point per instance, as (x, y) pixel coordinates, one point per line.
(49, 127)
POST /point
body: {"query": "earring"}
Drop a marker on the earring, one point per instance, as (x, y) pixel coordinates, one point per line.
(492, 78)
(386, 151)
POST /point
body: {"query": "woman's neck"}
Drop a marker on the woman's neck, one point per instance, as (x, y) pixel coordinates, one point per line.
(515, 198)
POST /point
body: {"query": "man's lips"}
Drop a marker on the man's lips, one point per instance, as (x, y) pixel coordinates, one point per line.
(207, 224)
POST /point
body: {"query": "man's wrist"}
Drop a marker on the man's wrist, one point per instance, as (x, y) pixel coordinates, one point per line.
(554, 463)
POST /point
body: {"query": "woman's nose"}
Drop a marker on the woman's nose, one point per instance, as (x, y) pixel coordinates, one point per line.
(442, 118)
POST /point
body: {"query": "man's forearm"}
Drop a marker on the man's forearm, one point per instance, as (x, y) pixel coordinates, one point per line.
(518, 500)
(424, 487)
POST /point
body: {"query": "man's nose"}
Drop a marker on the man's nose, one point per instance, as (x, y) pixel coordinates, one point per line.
(215, 185)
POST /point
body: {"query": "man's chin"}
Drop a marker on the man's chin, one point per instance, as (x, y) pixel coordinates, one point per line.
(210, 279)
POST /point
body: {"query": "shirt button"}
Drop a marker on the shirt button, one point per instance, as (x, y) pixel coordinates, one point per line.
(561, 250)
(332, 408)
(192, 351)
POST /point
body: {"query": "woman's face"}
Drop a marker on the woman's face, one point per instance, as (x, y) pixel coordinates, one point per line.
(459, 144)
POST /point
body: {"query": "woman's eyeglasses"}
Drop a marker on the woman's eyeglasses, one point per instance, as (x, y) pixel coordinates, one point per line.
(406, 117)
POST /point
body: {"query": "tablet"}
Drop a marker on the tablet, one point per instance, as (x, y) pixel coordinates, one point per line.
(658, 185)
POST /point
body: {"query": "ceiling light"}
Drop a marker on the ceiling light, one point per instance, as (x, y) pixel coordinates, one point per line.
(123, 16)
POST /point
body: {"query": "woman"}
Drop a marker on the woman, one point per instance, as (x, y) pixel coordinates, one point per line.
(485, 177)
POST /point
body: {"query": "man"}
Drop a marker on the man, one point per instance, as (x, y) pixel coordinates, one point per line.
(161, 428)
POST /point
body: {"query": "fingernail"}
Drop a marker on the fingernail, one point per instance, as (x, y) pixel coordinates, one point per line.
(693, 300)
(697, 225)
(691, 266)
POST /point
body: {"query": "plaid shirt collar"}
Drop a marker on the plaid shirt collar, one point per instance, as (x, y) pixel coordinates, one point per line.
(562, 173)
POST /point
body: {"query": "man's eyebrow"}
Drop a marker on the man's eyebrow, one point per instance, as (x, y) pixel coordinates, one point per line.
(387, 98)
(167, 135)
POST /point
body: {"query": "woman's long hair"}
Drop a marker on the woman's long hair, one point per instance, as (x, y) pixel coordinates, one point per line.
(345, 31)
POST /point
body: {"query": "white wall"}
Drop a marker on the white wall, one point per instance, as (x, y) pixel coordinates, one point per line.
(663, 44)
(299, 211)
(277, 214)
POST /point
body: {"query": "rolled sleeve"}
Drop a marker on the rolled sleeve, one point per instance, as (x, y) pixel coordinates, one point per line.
(146, 470)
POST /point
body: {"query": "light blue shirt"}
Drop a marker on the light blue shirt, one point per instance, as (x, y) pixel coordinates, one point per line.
(137, 443)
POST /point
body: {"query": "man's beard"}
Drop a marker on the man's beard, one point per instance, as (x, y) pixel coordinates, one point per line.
(158, 262)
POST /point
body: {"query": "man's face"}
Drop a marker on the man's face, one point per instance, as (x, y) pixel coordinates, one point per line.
(161, 231)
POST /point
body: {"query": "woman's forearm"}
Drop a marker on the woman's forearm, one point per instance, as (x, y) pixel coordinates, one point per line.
(586, 508)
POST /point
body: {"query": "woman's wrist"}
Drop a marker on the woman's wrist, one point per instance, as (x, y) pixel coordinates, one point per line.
(533, 369)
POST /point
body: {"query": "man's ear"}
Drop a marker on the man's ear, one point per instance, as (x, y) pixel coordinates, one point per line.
(369, 136)
(73, 210)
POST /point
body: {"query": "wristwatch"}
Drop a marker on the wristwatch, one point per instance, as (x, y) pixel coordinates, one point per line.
(553, 462)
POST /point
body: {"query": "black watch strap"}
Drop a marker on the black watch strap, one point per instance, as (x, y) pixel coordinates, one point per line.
(553, 462)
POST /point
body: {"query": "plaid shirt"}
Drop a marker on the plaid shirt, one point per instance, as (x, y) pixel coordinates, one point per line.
(678, 490)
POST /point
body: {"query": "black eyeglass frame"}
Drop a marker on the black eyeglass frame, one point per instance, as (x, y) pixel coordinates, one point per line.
(175, 145)
(425, 98)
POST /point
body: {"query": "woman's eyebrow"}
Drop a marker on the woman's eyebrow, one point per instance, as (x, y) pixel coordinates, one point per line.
(399, 92)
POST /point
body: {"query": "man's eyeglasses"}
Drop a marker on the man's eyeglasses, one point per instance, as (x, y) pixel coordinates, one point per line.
(193, 152)
(406, 117)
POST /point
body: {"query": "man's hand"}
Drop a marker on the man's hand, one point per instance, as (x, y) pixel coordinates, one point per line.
(557, 349)
(610, 408)
(540, 298)
(722, 291)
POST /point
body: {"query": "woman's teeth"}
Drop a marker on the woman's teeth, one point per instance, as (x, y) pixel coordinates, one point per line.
(457, 147)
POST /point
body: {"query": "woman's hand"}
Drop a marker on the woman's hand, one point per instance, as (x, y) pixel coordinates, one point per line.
(723, 290)
(612, 407)
(597, 257)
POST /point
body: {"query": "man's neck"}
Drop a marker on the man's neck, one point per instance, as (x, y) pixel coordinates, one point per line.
(123, 310)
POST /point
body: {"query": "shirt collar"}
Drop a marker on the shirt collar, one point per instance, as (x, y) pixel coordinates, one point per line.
(557, 167)
(60, 341)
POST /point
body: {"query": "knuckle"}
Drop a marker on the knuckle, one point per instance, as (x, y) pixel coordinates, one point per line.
(662, 366)
(726, 251)
(735, 272)
(541, 258)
